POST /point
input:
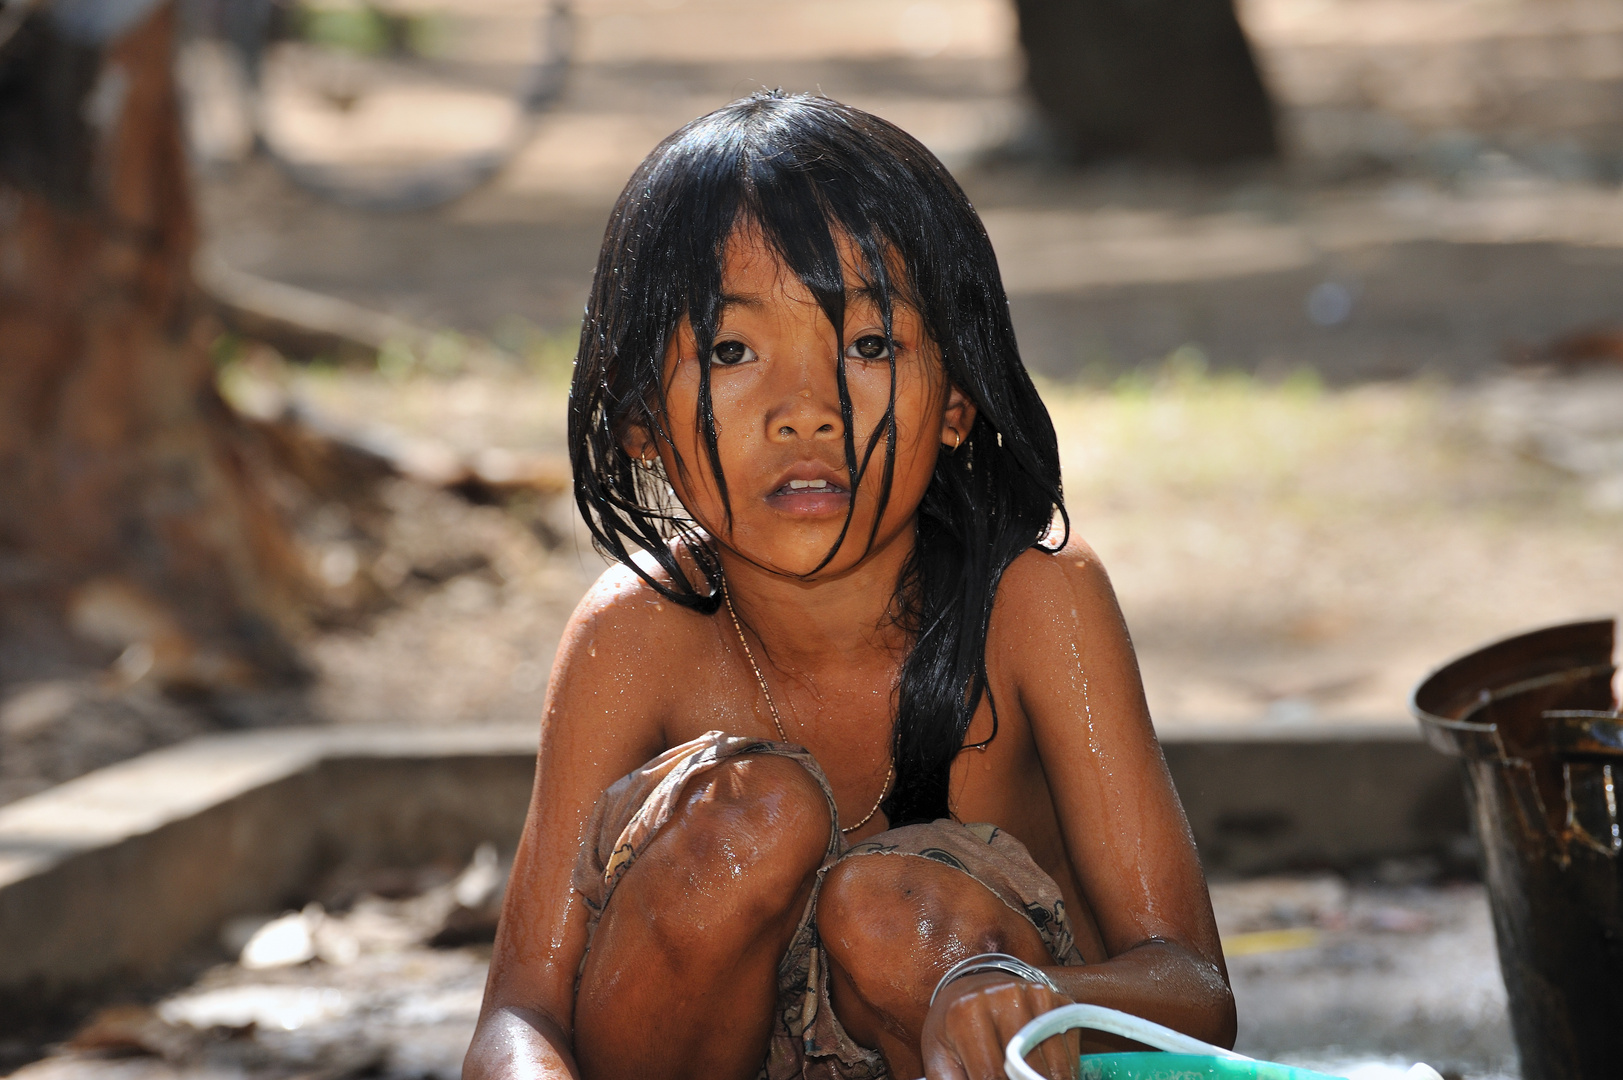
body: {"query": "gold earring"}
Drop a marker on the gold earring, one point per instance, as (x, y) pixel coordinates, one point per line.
(957, 439)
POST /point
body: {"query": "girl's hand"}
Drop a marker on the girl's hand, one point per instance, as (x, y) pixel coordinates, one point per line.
(975, 1017)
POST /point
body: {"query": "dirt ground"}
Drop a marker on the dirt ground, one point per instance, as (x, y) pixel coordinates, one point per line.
(1343, 979)
(1286, 554)
(1449, 189)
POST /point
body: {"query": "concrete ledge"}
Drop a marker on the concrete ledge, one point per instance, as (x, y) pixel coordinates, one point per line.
(114, 877)
(1265, 800)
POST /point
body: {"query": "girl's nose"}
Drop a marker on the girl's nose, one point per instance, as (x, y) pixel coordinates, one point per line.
(809, 410)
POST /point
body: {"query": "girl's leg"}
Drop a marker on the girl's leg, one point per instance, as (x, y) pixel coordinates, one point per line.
(892, 925)
(681, 979)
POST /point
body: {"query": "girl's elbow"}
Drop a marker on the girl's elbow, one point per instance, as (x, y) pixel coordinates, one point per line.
(1205, 1002)
(1225, 1021)
(1219, 1020)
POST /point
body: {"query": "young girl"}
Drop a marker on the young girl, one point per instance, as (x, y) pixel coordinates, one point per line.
(852, 709)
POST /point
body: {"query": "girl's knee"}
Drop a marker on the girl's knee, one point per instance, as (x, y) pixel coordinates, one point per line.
(895, 923)
(867, 898)
(750, 833)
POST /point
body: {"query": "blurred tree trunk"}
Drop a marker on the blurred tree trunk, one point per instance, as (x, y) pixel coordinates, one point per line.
(1162, 80)
(135, 513)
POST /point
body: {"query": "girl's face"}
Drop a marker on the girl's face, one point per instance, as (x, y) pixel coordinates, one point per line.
(775, 396)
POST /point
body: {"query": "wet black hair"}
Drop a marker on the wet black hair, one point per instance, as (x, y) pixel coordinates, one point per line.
(802, 170)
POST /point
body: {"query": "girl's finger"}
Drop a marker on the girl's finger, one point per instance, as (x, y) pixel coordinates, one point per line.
(1013, 1011)
(1050, 1060)
(979, 1047)
(1049, 1057)
(1058, 1062)
(1055, 1059)
(1073, 1052)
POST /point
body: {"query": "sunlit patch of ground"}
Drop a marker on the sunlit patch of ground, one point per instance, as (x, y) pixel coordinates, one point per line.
(1285, 553)
(1326, 974)
(1330, 974)
(1289, 553)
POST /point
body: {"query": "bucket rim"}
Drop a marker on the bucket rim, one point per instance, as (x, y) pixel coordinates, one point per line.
(1442, 700)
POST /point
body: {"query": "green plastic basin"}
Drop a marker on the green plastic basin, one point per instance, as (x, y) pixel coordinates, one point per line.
(1163, 1066)
(1178, 1057)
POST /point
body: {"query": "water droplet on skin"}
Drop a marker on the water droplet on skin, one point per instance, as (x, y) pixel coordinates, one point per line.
(592, 651)
(558, 927)
(1081, 684)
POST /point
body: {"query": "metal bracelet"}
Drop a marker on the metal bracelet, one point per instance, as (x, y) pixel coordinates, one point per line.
(994, 961)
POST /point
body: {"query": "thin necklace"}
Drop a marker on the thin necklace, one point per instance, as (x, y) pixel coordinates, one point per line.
(771, 705)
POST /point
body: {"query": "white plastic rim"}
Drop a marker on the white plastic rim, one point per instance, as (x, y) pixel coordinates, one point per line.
(1110, 1021)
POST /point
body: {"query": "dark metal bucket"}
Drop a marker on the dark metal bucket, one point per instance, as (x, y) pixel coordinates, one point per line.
(1536, 725)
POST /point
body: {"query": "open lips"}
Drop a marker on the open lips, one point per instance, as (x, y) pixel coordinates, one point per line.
(810, 495)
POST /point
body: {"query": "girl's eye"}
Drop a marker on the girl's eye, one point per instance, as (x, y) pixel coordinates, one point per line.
(868, 347)
(729, 353)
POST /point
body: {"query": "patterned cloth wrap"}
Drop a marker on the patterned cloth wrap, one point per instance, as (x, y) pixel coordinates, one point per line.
(807, 1039)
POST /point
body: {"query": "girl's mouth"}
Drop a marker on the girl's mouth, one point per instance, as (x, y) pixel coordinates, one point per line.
(810, 497)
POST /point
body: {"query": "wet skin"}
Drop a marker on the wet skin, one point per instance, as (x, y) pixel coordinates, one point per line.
(680, 980)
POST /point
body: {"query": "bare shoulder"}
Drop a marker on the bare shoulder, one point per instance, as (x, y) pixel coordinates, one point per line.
(622, 644)
(1065, 588)
(1055, 614)
(622, 605)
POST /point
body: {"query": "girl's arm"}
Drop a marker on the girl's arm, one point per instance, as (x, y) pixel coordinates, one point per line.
(1124, 829)
(599, 722)
(1124, 832)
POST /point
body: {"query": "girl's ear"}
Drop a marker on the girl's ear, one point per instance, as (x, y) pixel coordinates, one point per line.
(957, 419)
(638, 442)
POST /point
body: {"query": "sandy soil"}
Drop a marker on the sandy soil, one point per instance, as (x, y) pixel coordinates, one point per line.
(1285, 554)
(1333, 977)
(1451, 169)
